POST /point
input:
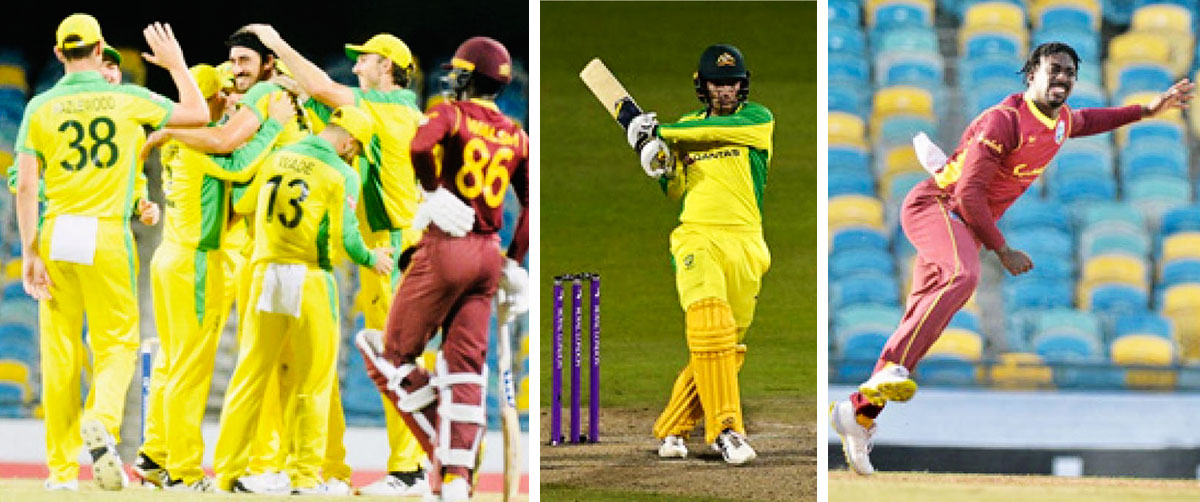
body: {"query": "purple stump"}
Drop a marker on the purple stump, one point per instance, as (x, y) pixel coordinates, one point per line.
(594, 376)
(576, 356)
(556, 376)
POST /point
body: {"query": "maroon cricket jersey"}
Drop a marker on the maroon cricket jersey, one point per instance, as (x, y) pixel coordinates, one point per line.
(483, 152)
(1004, 150)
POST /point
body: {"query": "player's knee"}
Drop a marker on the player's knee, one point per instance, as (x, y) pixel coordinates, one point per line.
(710, 326)
(414, 388)
(966, 280)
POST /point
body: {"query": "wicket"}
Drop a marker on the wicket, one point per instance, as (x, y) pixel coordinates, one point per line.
(576, 435)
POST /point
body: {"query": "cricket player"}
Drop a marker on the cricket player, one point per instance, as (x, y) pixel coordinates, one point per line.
(949, 216)
(451, 280)
(300, 201)
(82, 135)
(715, 159)
(384, 66)
(188, 277)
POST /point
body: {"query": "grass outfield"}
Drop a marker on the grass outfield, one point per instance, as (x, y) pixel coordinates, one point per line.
(600, 213)
(925, 487)
(29, 490)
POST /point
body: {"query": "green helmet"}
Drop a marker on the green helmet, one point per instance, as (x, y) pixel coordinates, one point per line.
(721, 62)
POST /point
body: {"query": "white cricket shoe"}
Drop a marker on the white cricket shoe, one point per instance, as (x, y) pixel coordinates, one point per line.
(203, 485)
(856, 439)
(891, 383)
(734, 447)
(107, 469)
(268, 483)
(672, 447)
(65, 486)
(332, 488)
(398, 484)
(457, 490)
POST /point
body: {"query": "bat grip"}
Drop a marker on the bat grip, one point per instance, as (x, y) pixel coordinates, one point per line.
(627, 109)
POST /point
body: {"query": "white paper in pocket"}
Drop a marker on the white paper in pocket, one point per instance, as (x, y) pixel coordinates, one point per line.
(283, 288)
(74, 239)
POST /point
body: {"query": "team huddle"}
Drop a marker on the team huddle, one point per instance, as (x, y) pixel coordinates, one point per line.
(272, 174)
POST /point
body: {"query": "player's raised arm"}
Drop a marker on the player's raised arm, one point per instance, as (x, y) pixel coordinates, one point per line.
(311, 78)
(222, 139)
(165, 51)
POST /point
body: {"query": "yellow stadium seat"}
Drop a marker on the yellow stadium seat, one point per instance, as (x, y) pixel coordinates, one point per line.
(1145, 350)
(1181, 245)
(12, 269)
(999, 14)
(1111, 268)
(847, 128)
(1172, 115)
(858, 210)
(873, 5)
(1136, 47)
(959, 342)
(13, 76)
(901, 99)
(18, 373)
(899, 160)
(1021, 370)
(1176, 22)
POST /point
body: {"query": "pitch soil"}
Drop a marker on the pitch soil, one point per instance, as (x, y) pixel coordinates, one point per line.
(626, 458)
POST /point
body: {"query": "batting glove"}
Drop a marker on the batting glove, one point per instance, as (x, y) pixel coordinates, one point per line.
(656, 159)
(641, 130)
(445, 210)
(513, 296)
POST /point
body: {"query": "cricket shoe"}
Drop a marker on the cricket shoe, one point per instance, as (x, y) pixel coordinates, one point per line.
(203, 485)
(151, 472)
(334, 487)
(64, 486)
(856, 437)
(672, 447)
(398, 484)
(891, 383)
(734, 447)
(456, 490)
(107, 469)
(268, 483)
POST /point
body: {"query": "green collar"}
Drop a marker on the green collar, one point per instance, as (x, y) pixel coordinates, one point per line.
(82, 77)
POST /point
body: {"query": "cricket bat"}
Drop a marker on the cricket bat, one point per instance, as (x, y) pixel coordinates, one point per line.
(610, 92)
(508, 412)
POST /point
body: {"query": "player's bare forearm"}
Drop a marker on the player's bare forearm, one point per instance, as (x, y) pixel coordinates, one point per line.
(425, 168)
(312, 78)
(223, 139)
(27, 201)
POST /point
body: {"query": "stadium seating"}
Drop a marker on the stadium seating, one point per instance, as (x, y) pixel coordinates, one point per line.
(855, 210)
(1145, 350)
(1020, 370)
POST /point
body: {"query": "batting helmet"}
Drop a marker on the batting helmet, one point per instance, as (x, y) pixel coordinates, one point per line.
(721, 62)
(480, 56)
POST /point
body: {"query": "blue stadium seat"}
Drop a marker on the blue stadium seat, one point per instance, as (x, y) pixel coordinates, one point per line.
(1144, 324)
(1161, 191)
(849, 99)
(989, 44)
(842, 183)
(1087, 95)
(1142, 77)
(1030, 213)
(1116, 300)
(899, 130)
(1021, 293)
(848, 263)
(1085, 41)
(1180, 219)
(1051, 266)
(1067, 16)
(1155, 130)
(844, 13)
(863, 345)
(1072, 161)
(1070, 321)
(1180, 271)
(848, 70)
(1117, 12)
(986, 94)
(849, 238)
(920, 70)
(898, 15)
(902, 184)
(946, 369)
(14, 290)
(1152, 157)
(1042, 240)
(1060, 346)
(865, 317)
(849, 159)
(865, 288)
(972, 72)
(910, 40)
(847, 40)
(1114, 241)
(965, 319)
(1086, 189)
(18, 333)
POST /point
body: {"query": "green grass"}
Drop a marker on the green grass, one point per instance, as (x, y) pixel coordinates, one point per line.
(600, 213)
(562, 493)
(924, 487)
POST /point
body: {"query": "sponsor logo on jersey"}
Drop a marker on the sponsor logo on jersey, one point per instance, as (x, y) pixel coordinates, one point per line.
(1060, 132)
(716, 154)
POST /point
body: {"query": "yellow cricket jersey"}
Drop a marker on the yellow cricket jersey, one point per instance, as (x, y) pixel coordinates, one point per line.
(722, 164)
(196, 187)
(389, 191)
(86, 134)
(299, 199)
(257, 100)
